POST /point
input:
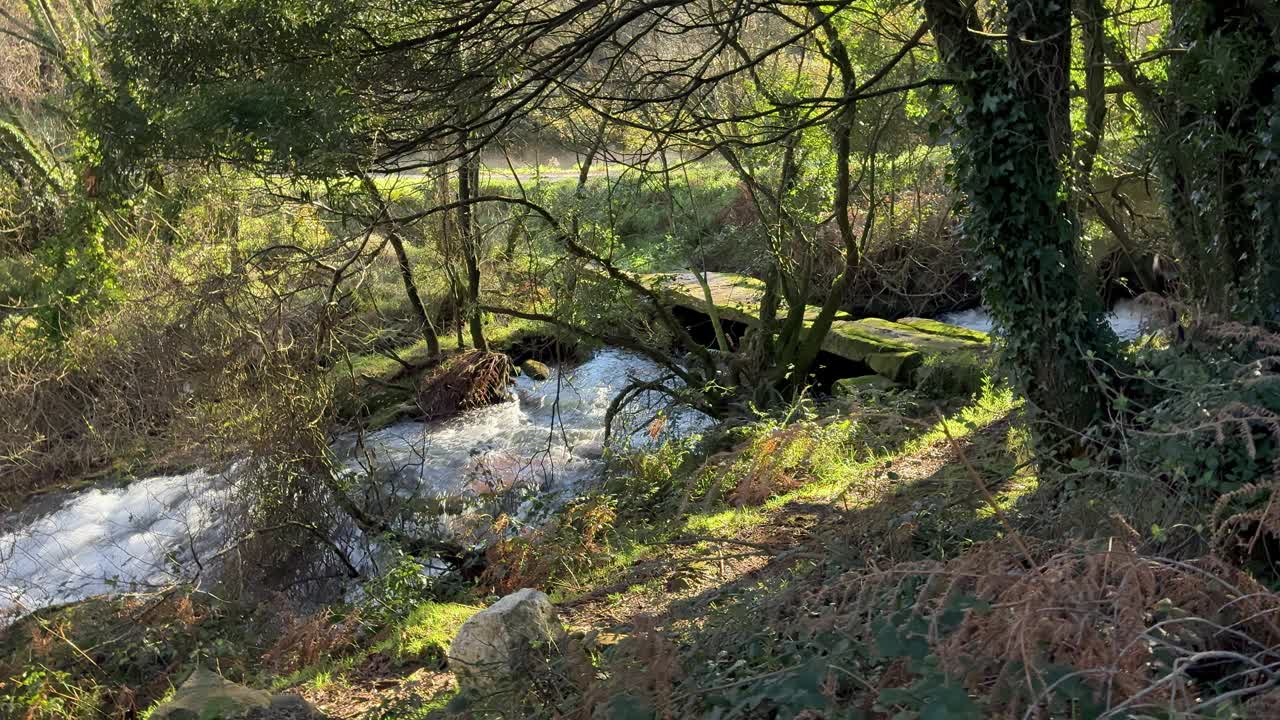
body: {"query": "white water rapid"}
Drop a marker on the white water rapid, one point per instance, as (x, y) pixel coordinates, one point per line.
(150, 532)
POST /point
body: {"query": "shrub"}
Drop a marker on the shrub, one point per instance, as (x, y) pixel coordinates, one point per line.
(40, 693)
(575, 539)
(391, 597)
(1199, 422)
(777, 456)
(1026, 631)
(646, 483)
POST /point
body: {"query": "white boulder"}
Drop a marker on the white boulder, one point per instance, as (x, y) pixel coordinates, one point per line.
(496, 646)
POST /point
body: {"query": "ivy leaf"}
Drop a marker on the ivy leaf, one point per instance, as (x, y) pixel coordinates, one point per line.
(950, 703)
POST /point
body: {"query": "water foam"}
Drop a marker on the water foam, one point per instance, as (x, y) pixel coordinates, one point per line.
(151, 532)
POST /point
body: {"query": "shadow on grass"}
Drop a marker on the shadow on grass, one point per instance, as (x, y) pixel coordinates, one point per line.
(915, 501)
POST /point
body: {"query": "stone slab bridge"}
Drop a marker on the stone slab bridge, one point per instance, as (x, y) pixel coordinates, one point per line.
(892, 349)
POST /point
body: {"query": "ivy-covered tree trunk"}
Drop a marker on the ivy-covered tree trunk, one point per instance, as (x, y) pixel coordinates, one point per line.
(1014, 140)
(1221, 154)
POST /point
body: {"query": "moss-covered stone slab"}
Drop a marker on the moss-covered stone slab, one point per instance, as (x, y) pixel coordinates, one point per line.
(899, 346)
(848, 387)
(894, 333)
(935, 327)
(736, 297)
(896, 366)
(854, 341)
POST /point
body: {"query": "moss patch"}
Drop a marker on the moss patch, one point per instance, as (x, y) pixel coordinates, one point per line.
(424, 637)
(935, 327)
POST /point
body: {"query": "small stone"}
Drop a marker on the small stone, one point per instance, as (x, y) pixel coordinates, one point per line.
(208, 696)
(536, 370)
(497, 645)
(849, 387)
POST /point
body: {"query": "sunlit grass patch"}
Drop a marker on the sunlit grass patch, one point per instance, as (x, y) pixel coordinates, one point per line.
(425, 635)
(993, 403)
(422, 638)
(319, 675)
(322, 680)
(723, 522)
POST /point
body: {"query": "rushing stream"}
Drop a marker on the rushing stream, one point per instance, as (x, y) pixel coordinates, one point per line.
(153, 531)
(1126, 319)
(149, 533)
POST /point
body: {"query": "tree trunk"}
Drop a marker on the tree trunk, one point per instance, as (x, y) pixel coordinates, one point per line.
(425, 326)
(811, 343)
(394, 237)
(1011, 156)
(468, 182)
(722, 342)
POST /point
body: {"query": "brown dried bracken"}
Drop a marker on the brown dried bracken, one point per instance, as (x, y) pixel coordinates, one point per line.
(468, 380)
(766, 474)
(1112, 616)
(1244, 519)
(308, 640)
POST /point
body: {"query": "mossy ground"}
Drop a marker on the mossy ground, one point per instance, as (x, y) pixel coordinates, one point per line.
(855, 492)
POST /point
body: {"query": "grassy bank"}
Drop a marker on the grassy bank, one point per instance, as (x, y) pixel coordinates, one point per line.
(871, 556)
(667, 527)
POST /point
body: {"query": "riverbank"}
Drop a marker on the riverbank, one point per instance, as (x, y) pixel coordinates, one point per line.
(857, 553)
(660, 552)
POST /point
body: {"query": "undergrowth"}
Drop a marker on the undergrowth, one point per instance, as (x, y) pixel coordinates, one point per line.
(950, 588)
(955, 569)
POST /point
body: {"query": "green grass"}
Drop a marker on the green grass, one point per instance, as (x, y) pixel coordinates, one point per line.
(992, 404)
(835, 469)
(322, 672)
(421, 638)
(146, 714)
(425, 635)
(322, 680)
